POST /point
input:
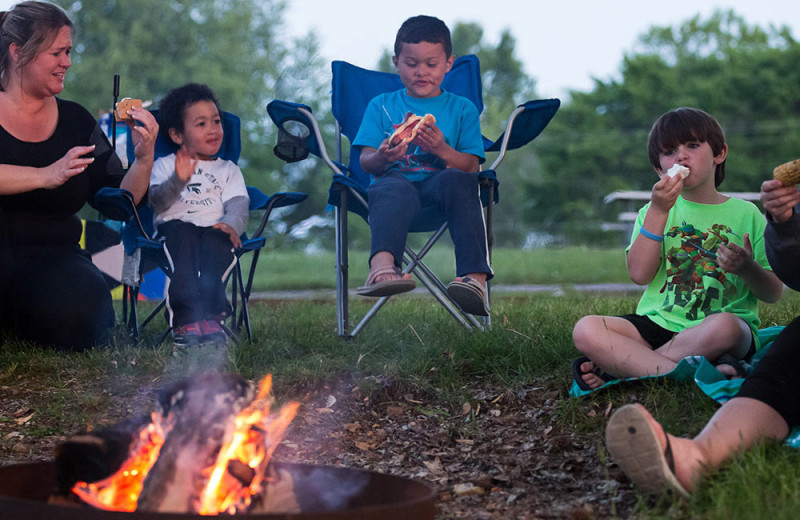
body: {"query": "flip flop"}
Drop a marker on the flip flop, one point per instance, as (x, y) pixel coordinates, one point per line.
(469, 295)
(633, 444)
(577, 374)
(387, 287)
(738, 365)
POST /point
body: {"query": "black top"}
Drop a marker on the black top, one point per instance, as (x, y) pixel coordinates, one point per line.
(48, 216)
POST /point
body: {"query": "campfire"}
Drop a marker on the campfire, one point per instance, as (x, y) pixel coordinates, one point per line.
(205, 450)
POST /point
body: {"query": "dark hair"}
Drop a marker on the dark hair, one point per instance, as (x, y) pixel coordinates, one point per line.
(423, 28)
(173, 106)
(684, 125)
(33, 26)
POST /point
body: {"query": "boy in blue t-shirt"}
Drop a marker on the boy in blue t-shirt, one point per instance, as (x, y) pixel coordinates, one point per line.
(437, 168)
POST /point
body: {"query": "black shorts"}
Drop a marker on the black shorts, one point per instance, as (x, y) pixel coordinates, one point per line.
(774, 380)
(656, 335)
(653, 334)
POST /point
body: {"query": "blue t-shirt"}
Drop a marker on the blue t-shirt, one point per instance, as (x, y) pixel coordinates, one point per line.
(456, 117)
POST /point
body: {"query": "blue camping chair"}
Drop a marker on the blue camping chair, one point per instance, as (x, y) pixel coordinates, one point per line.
(353, 88)
(138, 231)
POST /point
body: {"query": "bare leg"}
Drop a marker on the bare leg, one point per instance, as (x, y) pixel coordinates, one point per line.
(616, 346)
(715, 335)
(736, 426)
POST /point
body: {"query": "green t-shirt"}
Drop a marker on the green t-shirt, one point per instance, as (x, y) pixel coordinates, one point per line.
(689, 285)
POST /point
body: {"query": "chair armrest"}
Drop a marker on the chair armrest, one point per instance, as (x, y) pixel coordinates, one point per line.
(524, 125)
(261, 201)
(115, 203)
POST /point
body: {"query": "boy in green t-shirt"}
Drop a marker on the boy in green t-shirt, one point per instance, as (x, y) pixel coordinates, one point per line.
(701, 255)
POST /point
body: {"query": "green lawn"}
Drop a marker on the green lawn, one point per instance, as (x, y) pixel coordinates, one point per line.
(416, 343)
(286, 270)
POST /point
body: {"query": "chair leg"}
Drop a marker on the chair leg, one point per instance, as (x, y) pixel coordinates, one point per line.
(487, 320)
(132, 320)
(342, 268)
(244, 312)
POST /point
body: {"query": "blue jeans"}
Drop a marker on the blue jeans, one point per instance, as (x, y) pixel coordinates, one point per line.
(394, 203)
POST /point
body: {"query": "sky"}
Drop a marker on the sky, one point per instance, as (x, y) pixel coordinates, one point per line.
(563, 44)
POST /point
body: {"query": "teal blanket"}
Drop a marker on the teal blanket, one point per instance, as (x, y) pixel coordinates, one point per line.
(708, 378)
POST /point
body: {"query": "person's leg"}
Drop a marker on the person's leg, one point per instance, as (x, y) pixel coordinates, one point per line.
(458, 195)
(216, 262)
(766, 407)
(59, 299)
(615, 345)
(652, 458)
(393, 205)
(184, 304)
(717, 334)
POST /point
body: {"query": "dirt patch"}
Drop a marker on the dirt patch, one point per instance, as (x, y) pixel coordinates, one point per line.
(500, 454)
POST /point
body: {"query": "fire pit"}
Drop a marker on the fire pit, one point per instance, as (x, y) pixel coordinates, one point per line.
(206, 450)
(323, 493)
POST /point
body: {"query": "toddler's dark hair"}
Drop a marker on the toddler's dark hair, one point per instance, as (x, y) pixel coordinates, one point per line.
(423, 28)
(684, 125)
(172, 108)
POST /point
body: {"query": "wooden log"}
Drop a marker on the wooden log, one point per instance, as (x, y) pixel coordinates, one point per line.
(92, 456)
(198, 417)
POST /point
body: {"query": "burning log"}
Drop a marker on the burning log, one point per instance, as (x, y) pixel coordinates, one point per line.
(199, 415)
(205, 450)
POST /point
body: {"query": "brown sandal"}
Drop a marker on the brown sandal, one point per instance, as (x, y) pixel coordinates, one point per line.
(386, 287)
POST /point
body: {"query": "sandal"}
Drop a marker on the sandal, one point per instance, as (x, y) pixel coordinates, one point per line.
(740, 366)
(633, 444)
(387, 287)
(577, 374)
(469, 295)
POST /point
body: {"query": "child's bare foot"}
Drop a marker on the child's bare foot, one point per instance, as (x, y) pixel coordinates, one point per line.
(588, 375)
(652, 459)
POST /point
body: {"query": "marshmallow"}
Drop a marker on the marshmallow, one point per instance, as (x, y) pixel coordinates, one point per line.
(677, 169)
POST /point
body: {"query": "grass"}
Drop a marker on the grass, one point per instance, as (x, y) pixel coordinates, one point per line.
(293, 270)
(416, 343)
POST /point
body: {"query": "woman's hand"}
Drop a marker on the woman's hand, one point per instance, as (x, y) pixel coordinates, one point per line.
(225, 228)
(144, 135)
(779, 201)
(67, 167)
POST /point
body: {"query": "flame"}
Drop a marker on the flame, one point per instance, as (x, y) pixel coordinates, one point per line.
(255, 436)
(120, 491)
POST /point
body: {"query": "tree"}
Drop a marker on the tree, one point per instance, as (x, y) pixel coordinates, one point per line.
(235, 46)
(743, 75)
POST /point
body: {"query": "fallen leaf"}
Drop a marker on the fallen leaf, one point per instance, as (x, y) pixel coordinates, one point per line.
(352, 427)
(394, 411)
(330, 402)
(467, 489)
(24, 420)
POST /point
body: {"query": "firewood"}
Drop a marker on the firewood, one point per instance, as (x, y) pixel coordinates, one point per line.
(94, 455)
(199, 417)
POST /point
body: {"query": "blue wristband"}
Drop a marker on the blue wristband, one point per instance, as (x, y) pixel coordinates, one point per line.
(651, 236)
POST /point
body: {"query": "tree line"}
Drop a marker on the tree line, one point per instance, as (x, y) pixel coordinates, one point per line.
(745, 75)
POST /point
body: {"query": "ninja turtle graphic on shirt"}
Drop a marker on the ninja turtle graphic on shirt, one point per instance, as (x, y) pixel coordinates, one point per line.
(694, 280)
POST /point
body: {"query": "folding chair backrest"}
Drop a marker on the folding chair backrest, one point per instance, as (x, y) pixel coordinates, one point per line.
(230, 150)
(231, 146)
(354, 87)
